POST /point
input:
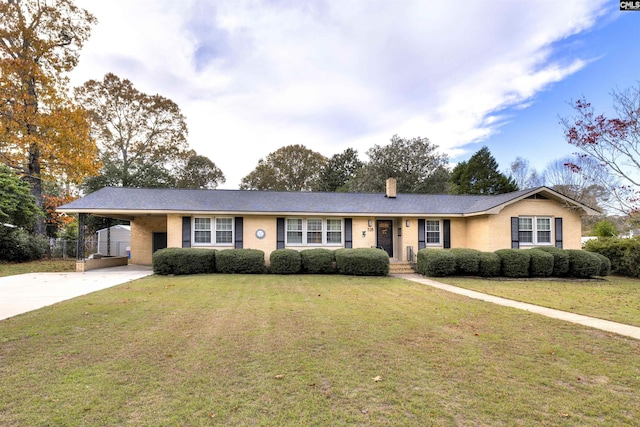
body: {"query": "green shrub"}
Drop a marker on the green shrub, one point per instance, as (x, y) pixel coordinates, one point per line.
(240, 261)
(16, 245)
(436, 262)
(560, 260)
(514, 262)
(624, 254)
(605, 265)
(541, 263)
(467, 261)
(318, 261)
(362, 262)
(583, 264)
(285, 261)
(489, 264)
(181, 261)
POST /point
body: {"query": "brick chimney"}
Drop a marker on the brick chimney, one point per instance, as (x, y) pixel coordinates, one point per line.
(391, 188)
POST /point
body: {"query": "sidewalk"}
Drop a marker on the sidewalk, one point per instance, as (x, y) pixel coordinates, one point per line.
(26, 292)
(605, 325)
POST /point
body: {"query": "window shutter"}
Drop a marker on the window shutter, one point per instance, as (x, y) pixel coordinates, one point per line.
(186, 231)
(238, 231)
(515, 240)
(279, 233)
(559, 233)
(348, 233)
(446, 233)
(421, 234)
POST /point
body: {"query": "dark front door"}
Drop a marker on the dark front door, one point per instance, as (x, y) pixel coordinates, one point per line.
(159, 241)
(385, 235)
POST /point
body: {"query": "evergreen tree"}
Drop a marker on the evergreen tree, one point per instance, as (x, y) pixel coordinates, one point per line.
(480, 175)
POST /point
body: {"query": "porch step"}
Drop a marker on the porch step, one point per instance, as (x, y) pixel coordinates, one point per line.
(400, 268)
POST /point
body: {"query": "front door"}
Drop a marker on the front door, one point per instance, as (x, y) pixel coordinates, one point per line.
(159, 241)
(384, 235)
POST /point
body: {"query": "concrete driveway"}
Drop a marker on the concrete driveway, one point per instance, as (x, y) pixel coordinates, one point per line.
(26, 292)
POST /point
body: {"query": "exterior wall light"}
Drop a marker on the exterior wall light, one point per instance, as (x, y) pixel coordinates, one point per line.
(408, 223)
(370, 223)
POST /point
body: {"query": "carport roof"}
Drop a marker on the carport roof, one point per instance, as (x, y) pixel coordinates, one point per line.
(168, 200)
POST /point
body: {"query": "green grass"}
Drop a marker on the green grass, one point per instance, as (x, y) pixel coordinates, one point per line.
(42, 266)
(612, 298)
(306, 350)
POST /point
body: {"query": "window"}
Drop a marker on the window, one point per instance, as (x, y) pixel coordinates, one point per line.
(432, 232)
(204, 234)
(534, 230)
(314, 231)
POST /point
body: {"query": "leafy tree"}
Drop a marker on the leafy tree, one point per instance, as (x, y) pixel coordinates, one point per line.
(613, 143)
(480, 175)
(141, 138)
(290, 168)
(604, 228)
(340, 168)
(17, 206)
(42, 134)
(199, 172)
(524, 176)
(415, 163)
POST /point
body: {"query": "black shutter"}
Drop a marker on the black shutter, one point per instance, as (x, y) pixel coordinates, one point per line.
(186, 231)
(446, 233)
(559, 233)
(515, 241)
(238, 232)
(421, 236)
(279, 233)
(348, 233)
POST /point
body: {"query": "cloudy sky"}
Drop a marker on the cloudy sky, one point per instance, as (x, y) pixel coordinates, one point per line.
(253, 76)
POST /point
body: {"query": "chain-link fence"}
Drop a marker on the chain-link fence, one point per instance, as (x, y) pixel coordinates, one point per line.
(68, 249)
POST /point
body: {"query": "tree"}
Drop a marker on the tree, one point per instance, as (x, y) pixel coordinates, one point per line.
(480, 175)
(613, 143)
(340, 168)
(141, 138)
(42, 134)
(199, 172)
(17, 205)
(415, 163)
(604, 228)
(290, 168)
(524, 175)
(586, 187)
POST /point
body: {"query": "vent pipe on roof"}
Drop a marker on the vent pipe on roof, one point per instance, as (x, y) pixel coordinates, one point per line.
(391, 188)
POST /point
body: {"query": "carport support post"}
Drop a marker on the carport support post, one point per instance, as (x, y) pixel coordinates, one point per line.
(81, 228)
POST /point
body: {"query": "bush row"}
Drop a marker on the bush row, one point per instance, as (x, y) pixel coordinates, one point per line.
(358, 262)
(16, 245)
(623, 253)
(517, 263)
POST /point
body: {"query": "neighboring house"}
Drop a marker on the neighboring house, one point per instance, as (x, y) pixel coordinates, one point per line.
(114, 240)
(398, 223)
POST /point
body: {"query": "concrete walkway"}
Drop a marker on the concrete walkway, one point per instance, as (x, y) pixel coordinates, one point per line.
(26, 292)
(605, 325)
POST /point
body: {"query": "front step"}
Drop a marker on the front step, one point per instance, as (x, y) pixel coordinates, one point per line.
(400, 268)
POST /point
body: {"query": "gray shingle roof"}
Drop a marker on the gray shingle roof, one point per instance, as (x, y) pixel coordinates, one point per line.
(189, 200)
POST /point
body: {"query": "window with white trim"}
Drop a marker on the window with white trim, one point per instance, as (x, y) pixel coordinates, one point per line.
(313, 231)
(534, 230)
(432, 232)
(212, 231)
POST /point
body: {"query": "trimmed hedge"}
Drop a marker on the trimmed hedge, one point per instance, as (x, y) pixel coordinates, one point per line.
(541, 263)
(605, 265)
(467, 261)
(240, 261)
(318, 261)
(489, 264)
(285, 261)
(514, 262)
(560, 260)
(436, 262)
(624, 254)
(184, 261)
(583, 264)
(362, 262)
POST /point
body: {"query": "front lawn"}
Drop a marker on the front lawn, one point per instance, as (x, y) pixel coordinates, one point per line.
(613, 298)
(41, 266)
(307, 350)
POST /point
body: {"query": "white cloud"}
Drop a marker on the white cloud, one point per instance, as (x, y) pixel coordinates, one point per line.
(253, 76)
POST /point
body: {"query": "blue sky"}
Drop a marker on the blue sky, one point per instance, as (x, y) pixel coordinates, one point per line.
(253, 76)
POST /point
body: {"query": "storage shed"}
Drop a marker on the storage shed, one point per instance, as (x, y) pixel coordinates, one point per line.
(120, 239)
